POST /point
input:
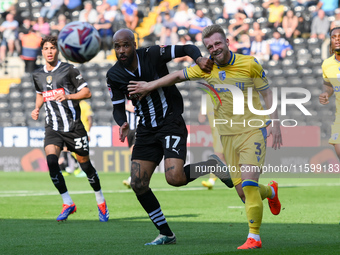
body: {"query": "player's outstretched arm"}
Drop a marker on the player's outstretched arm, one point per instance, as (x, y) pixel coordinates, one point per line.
(144, 88)
(328, 91)
(275, 127)
(39, 101)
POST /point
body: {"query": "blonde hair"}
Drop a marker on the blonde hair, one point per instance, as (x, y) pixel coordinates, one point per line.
(210, 30)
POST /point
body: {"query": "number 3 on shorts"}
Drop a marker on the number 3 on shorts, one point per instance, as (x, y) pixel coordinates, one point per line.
(81, 143)
(258, 149)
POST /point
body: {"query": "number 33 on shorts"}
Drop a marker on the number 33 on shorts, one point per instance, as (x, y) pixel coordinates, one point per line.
(81, 143)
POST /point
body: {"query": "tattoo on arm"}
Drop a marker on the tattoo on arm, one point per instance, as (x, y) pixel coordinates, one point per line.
(169, 168)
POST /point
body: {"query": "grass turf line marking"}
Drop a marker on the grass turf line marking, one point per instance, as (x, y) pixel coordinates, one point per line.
(26, 193)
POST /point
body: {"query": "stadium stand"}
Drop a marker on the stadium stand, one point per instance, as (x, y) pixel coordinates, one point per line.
(300, 68)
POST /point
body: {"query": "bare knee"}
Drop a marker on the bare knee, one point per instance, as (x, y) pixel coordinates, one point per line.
(140, 180)
(139, 187)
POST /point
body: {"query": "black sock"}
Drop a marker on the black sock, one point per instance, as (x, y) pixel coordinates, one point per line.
(153, 208)
(55, 173)
(193, 171)
(91, 174)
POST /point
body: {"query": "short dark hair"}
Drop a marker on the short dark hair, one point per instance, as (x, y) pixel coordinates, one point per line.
(331, 51)
(51, 39)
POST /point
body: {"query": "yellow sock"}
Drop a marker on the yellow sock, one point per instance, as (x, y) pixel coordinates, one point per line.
(265, 191)
(254, 206)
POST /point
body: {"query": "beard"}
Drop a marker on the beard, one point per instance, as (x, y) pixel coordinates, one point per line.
(129, 59)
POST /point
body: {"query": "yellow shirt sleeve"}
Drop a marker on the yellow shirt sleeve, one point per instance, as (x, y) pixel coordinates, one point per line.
(193, 72)
(258, 75)
(325, 78)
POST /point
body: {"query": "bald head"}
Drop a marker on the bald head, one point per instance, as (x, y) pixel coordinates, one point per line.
(124, 34)
(125, 48)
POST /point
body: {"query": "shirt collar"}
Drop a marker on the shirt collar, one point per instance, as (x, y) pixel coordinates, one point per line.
(139, 70)
(55, 68)
(231, 60)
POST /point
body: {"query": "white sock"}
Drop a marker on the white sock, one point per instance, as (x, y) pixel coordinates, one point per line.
(99, 197)
(273, 192)
(212, 181)
(66, 198)
(255, 236)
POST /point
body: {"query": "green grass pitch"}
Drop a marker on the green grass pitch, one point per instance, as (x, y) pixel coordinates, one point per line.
(205, 221)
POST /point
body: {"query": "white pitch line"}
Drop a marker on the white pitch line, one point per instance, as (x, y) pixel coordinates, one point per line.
(27, 193)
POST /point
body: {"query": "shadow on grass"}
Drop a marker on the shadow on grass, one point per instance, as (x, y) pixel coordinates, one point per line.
(121, 236)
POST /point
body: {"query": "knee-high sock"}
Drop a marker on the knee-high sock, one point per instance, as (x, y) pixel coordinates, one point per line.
(91, 174)
(193, 171)
(153, 208)
(55, 173)
(254, 206)
(265, 191)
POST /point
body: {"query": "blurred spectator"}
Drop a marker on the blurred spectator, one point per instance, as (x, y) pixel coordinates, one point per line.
(328, 6)
(183, 16)
(260, 49)
(278, 46)
(168, 37)
(302, 28)
(62, 21)
(276, 11)
(238, 27)
(255, 30)
(104, 28)
(190, 3)
(248, 8)
(155, 31)
(232, 43)
(25, 27)
(197, 24)
(88, 14)
(111, 12)
(4, 7)
(42, 27)
(52, 9)
(9, 29)
(320, 25)
(289, 24)
(304, 3)
(231, 7)
(336, 22)
(70, 6)
(130, 12)
(243, 46)
(169, 22)
(107, 4)
(30, 49)
(164, 7)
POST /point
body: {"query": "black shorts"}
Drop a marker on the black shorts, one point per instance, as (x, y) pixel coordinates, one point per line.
(75, 141)
(169, 140)
(131, 137)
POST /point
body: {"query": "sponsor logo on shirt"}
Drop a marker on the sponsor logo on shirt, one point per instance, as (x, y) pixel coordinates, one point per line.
(50, 94)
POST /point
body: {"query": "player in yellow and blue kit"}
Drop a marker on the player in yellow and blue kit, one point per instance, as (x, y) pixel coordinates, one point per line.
(331, 84)
(244, 135)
